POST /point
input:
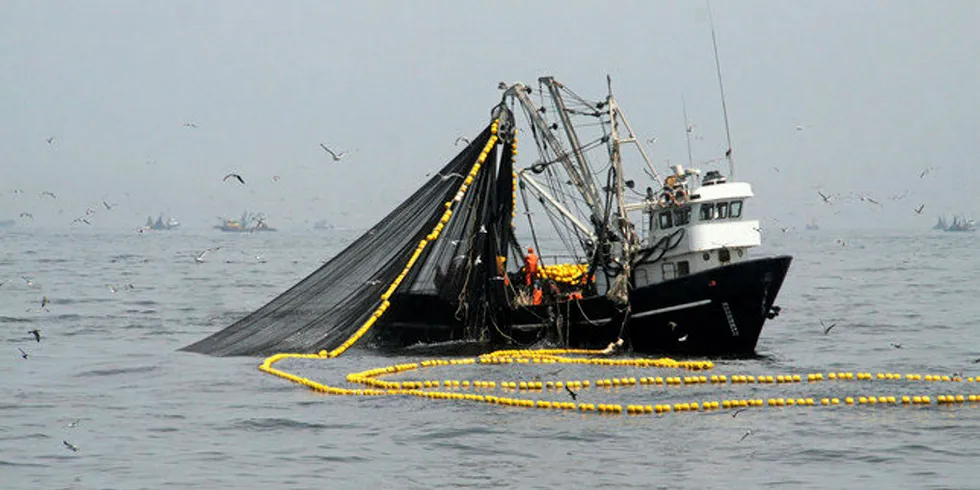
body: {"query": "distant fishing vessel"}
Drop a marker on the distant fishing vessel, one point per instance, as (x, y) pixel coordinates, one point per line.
(160, 223)
(960, 223)
(246, 223)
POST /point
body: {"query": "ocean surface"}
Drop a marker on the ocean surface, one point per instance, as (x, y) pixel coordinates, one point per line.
(107, 378)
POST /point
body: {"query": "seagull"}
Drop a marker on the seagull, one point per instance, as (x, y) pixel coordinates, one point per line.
(925, 172)
(48, 193)
(22, 353)
(918, 210)
(736, 412)
(190, 125)
(73, 424)
(463, 139)
(275, 178)
(478, 260)
(82, 220)
(776, 169)
(652, 140)
(827, 329)
(683, 338)
(44, 301)
(869, 199)
(571, 393)
(27, 215)
(841, 242)
(29, 282)
(373, 282)
(336, 156)
(747, 434)
(36, 333)
(483, 228)
(450, 175)
(672, 326)
(236, 176)
(897, 346)
(50, 139)
(799, 127)
(200, 258)
(825, 197)
(107, 205)
(112, 288)
(71, 446)
(784, 228)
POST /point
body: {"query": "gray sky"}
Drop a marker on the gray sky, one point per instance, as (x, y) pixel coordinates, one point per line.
(882, 89)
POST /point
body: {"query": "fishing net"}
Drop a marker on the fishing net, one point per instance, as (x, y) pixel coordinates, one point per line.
(327, 307)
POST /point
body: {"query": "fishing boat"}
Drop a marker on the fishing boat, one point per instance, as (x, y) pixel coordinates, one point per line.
(160, 223)
(668, 270)
(247, 223)
(959, 223)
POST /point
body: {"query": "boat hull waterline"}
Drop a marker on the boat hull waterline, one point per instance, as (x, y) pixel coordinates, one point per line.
(716, 312)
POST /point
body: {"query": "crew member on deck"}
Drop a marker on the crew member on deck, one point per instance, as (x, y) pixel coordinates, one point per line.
(530, 266)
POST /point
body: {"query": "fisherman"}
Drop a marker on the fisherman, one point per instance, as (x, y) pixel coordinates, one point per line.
(530, 266)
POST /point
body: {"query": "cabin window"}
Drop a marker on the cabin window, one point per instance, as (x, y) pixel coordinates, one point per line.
(706, 256)
(722, 210)
(682, 216)
(670, 271)
(683, 268)
(724, 255)
(707, 212)
(735, 209)
(666, 220)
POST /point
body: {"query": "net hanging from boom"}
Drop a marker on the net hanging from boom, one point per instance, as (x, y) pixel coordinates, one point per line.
(327, 307)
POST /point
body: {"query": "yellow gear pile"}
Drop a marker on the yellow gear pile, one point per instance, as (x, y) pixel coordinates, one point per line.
(571, 274)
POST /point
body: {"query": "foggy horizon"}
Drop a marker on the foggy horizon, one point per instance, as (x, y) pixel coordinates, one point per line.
(854, 98)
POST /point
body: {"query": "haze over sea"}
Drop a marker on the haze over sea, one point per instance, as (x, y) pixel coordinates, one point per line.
(151, 417)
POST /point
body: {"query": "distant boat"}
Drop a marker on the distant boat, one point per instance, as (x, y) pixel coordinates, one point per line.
(961, 224)
(160, 224)
(941, 224)
(244, 224)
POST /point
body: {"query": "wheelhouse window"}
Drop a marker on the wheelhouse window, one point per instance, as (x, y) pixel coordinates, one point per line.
(669, 271)
(682, 216)
(706, 212)
(666, 220)
(735, 209)
(683, 268)
(722, 210)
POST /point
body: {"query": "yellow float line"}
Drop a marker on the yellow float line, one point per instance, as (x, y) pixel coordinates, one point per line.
(377, 387)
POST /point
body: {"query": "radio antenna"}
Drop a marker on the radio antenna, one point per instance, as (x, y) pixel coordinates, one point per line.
(724, 106)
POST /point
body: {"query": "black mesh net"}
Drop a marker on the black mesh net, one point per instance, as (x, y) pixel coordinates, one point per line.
(326, 308)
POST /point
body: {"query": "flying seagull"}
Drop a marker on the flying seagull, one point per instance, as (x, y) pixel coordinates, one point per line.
(571, 393)
(336, 156)
(747, 434)
(82, 220)
(683, 338)
(27, 215)
(107, 205)
(50, 139)
(200, 258)
(897, 346)
(235, 176)
(918, 210)
(925, 172)
(450, 175)
(190, 125)
(461, 138)
(44, 301)
(827, 329)
(869, 199)
(48, 193)
(36, 333)
(71, 446)
(22, 353)
(652, 140)
(73, 424)
(825, 197)
(736, 412)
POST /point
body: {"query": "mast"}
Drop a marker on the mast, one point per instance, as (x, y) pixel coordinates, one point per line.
(586, 188)
(687, 131)
(724, 106)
